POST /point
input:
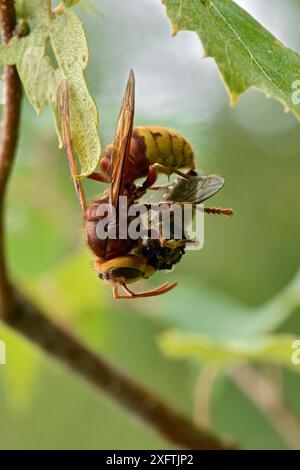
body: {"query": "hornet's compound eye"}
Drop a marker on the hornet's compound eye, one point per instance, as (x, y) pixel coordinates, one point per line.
(128, 274)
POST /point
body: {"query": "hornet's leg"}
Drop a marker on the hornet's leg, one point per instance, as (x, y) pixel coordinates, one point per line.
(92, 218)
(152, 176)
(168, 170)
(99, 177)
(116, 293)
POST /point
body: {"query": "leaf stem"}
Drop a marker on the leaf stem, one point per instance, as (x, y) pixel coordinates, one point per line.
(20, 313)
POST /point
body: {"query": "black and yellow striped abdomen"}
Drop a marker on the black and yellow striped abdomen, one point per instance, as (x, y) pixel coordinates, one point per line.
(165, 146)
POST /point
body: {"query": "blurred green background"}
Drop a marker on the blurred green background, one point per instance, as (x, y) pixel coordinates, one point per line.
(232, 289)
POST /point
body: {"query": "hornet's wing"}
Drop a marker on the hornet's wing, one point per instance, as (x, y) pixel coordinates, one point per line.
(64, 122)
(121, 145)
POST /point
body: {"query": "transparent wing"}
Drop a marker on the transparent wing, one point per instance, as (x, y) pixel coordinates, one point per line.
(194, 190)
(121, 145)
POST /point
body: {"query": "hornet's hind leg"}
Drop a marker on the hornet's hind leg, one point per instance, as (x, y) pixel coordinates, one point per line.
(153, 173)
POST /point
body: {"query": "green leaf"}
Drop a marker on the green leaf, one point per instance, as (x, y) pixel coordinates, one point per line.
(74, 270)
(70, 3)
(246, 53)
(21, 369)
(71, 51)
(71, 292)
(216, 322)
(275, 348)
(40, 77)
(222, 318)
(28, 9)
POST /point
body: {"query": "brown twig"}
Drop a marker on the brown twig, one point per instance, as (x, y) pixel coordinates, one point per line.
(266, 396)
(21, 314)
(10, 126)
(133, 397)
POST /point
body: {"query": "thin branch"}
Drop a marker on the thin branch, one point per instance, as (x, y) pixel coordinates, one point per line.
(175, 427)
(98, 371)
(266, 396)
(202, 411)
(10, 127)
(19, 312)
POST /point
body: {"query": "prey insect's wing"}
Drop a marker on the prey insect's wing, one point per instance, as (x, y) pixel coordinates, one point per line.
(194, 190)
(64, 122)
(121, 145)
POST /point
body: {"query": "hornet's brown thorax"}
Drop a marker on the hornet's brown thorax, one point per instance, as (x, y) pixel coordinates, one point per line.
(104, 248)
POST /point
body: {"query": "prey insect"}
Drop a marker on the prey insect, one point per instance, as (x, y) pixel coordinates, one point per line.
(135, 153)
(164, 253)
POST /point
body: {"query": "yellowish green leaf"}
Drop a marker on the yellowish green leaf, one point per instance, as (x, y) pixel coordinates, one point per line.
(71, 51)
(28, 9)
(275, 348)
(70, 3)
(21, 368)
(40, 77)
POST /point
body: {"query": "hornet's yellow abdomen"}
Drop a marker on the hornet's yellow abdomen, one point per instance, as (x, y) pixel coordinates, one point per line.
(152, 145)
(165, 146)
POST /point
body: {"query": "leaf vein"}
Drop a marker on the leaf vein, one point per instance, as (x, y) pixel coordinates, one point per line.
(252, 57)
